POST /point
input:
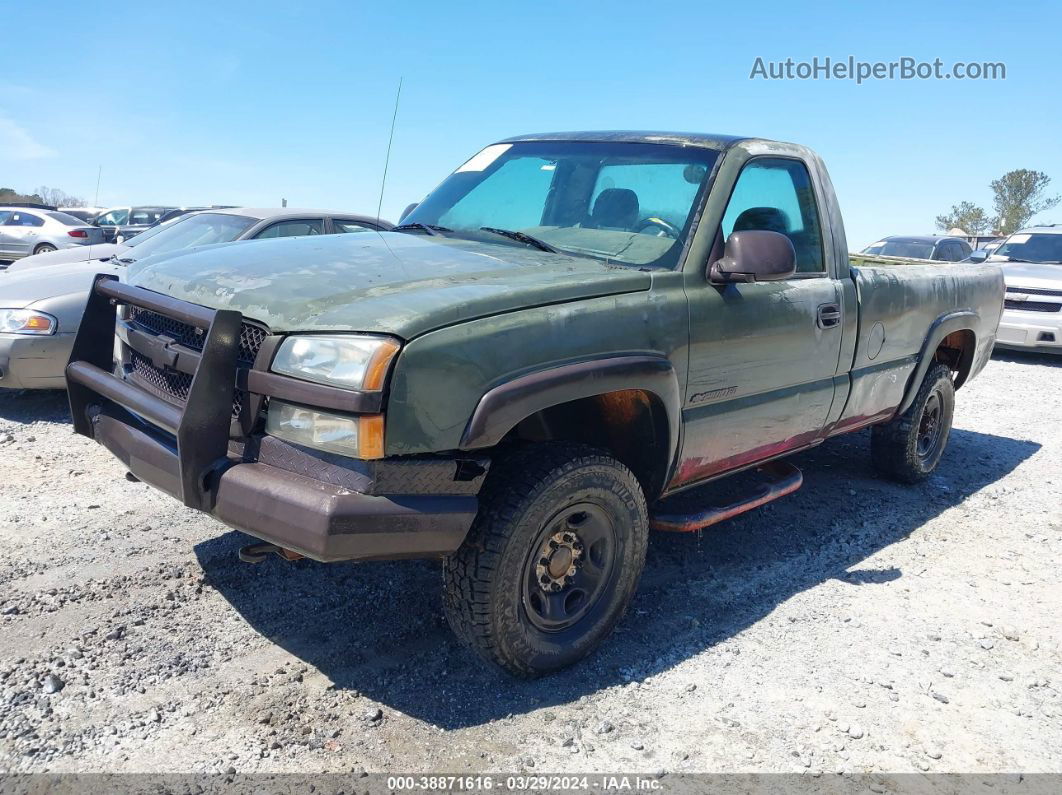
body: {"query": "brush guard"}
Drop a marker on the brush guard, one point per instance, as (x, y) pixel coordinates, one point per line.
(201, 429)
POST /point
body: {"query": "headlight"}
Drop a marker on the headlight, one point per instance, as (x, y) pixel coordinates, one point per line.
(26, 321)
(360, 437)
(352, 361)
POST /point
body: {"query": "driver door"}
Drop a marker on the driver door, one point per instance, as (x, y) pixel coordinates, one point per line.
(763, 355)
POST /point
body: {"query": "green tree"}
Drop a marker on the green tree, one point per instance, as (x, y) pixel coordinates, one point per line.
(970, 218)
(1019, 195)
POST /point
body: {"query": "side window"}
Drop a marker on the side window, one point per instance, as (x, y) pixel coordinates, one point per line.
(113, 218)
(343, 226)
(24, 219)
(294, 228)
(776, 194)
(143, 216)
(511, 198)
(949, 252)
(5, 216)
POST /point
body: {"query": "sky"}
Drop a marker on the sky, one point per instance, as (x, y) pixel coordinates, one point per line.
(248, 103)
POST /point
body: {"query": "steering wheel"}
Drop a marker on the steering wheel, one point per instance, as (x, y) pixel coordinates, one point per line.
(664, 229)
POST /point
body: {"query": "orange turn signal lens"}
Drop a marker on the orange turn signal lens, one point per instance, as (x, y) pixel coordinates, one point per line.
(376, 372)
(371, 436)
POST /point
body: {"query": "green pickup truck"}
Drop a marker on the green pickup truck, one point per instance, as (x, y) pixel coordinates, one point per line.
(565, 334)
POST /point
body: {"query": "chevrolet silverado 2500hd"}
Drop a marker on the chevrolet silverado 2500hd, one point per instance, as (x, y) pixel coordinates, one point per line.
(567, 332)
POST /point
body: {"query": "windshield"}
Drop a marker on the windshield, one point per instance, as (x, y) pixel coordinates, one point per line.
(192, 230)
(629, 203)
(1025, 247)
(904, 248)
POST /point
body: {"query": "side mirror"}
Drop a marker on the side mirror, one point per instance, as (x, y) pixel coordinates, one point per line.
(977, 256)
(407, 211)
(754, 256)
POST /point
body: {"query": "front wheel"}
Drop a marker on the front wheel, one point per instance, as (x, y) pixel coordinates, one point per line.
(44, 248)
(908, 448)
(552, 560)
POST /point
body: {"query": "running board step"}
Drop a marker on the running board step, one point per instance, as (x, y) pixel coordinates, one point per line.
(778, 479)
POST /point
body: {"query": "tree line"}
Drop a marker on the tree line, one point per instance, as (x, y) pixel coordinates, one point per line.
(1017, 196)
(43, 195)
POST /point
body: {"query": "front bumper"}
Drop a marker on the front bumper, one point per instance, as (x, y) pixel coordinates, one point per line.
(34, 362)
(324, 507)
(1027, 330)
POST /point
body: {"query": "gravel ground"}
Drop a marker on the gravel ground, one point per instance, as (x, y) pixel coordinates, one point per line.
(855, 626)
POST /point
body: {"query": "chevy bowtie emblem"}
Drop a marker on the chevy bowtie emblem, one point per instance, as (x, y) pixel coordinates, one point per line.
(1018, 296)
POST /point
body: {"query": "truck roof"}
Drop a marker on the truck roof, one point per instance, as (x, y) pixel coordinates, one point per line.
(705, 140)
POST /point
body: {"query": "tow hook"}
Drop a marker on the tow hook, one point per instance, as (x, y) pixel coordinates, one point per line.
(256, 553)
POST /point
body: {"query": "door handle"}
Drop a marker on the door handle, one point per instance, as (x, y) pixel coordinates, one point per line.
(829, 316)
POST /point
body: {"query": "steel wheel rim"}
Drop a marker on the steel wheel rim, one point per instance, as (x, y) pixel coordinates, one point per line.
(569, 566)
(930, 426)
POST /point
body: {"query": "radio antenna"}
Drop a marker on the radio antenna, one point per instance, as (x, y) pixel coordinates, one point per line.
(387, 158)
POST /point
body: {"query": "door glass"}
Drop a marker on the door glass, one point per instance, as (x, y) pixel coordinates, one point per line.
(5, 216)
(24, 219)
(294, 228)
(775, 194)
(342, 226)
(113, 218)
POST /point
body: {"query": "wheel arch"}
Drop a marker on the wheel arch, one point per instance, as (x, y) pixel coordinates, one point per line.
(951, 339)
(625, 404)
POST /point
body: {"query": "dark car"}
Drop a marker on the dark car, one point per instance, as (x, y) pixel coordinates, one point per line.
(947, 249)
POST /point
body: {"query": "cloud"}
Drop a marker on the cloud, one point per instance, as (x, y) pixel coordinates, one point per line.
(17, 144)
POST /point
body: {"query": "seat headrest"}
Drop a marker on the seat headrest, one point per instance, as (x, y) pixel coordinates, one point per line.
(615, 208)
(770, 219)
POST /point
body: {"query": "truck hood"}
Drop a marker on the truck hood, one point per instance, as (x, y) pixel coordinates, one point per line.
(20, 289)
(391, 283)
(1032, 274)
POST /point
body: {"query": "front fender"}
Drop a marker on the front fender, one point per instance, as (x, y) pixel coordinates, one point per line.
(502, 408)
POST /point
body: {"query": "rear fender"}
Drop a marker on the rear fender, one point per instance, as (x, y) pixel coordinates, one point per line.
(962, 320)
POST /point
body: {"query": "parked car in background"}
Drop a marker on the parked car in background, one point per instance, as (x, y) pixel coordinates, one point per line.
(28, 231)
(127, 221)
(41, 305)
(946, 249)
(1032, 307)
(86, 214)
(263, 222)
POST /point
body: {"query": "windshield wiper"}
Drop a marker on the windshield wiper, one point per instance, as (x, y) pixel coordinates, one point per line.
(432, 229)
(520, 237)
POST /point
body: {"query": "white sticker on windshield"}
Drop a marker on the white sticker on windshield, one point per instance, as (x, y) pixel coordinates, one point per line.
(485, 158)
(1018, 239)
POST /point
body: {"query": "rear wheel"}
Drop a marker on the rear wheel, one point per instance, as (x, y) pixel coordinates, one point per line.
(909, 447)
(552, 560)
(44, 248)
